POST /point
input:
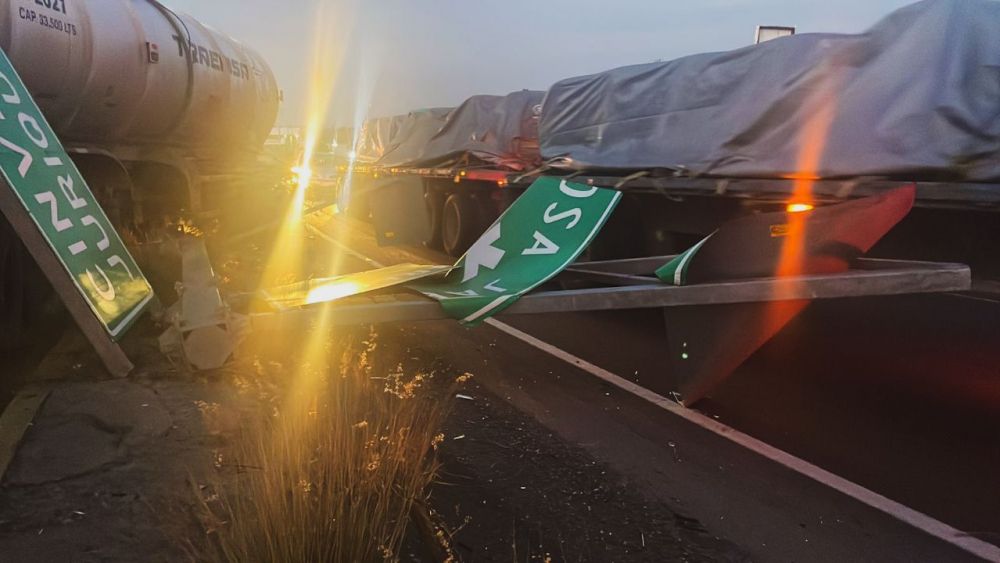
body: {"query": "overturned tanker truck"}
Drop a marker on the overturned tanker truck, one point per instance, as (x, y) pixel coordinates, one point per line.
(151, 105)
(801, 121)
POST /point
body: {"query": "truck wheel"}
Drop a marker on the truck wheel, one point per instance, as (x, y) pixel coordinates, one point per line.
(435, 210)
(359, 207)
(459, 224)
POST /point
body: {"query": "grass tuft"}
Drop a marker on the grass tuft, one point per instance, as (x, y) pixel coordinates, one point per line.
(332, 473)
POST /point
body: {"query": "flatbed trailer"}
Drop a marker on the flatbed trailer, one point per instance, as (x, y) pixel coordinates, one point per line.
(930, 194)
(664, 213)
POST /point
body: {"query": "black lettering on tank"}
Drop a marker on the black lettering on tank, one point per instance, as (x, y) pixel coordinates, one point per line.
(182, 46)
(212, 59)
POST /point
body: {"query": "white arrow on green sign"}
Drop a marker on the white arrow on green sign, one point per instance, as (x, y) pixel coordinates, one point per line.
(541, 234)
(53, 193)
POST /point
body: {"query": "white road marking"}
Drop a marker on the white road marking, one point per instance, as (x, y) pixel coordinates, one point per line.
(905, 514)
(492, 305)
(888, 506)
(974, 298)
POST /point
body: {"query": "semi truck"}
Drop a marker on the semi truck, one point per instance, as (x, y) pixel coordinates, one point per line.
(807, 119)
(742, 164)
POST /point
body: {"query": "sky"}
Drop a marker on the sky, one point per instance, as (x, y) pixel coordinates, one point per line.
(387, 57)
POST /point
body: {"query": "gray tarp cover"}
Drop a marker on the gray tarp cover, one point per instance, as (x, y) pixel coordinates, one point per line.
(501, 130)
(415, 130)
(376, 136)
(917, 95)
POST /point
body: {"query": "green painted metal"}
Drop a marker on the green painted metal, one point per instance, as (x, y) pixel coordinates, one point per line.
(541, 234)
(56, 197)
(675, 271)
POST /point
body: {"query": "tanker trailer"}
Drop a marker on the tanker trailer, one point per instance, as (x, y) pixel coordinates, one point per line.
(149, 101)
(150, 104)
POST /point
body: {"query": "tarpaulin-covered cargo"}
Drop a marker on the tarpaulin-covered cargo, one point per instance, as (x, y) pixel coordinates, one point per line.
(415, 130)
(376, 137)
(500, 130)
(918, 95)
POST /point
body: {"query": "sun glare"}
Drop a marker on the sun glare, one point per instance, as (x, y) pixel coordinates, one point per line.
(330, 291)
(812, 143)
(329, 48)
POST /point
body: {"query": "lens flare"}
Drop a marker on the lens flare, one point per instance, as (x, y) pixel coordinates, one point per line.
(365, 88)
(822, 109)
(329, 48)
(331, 291)
(812, 142)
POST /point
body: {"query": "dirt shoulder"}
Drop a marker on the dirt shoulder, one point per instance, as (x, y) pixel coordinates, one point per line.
(103, 473)
(107, 470)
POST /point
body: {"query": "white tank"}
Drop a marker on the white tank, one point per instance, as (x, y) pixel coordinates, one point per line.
(133, 73)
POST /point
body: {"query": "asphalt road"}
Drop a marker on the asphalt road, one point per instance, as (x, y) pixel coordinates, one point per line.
(900, 395)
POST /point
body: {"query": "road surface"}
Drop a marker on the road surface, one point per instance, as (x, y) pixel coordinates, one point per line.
(898, 395)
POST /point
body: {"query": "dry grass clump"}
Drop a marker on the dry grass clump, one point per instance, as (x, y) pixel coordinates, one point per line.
(333, 473)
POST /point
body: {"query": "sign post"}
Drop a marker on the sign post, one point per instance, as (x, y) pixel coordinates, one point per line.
(541, 234)
(49, 205)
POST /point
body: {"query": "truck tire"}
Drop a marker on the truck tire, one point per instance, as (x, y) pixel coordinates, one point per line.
(435, 211)
(359, 207)
(460, 224)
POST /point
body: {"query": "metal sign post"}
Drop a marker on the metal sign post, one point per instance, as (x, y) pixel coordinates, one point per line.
(49, 205)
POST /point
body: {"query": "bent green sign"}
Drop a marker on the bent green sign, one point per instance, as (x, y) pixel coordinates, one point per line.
(541, 234)
(46, 182)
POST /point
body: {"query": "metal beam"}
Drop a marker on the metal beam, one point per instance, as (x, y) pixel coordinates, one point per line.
(634, 266)
(874, 277)
(962, 195)
(608, 278)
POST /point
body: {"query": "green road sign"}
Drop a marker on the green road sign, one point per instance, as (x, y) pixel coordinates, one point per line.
(541, 234)
(62, 207)
(675, 271)
(324, 290)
